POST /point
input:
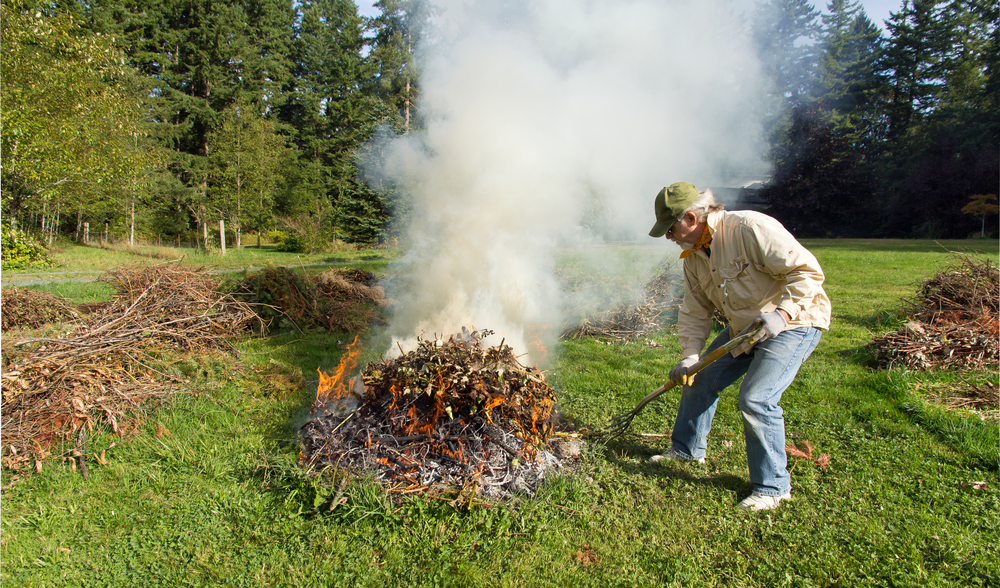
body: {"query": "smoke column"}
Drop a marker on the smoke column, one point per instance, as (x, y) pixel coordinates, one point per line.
(533, 107)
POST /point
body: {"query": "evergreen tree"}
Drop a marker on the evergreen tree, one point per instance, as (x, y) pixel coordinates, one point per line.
(331, 112)
(850, 47)
(820, 187)
(399, 30)
(911, 63)
(784, 33)
(270, 29)
(943, 144)
(821, 181)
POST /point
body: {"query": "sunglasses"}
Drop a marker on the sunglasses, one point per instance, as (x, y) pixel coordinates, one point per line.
(670, 231)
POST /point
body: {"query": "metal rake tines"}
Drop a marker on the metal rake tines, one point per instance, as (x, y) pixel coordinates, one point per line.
(620, 424)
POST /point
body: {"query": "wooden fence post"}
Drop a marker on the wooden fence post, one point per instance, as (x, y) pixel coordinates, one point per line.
(222, 236)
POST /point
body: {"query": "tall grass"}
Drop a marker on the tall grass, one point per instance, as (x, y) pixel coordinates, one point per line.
(209, 493)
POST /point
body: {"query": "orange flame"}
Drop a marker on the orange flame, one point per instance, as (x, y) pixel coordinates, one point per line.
(335, 386)
(536, 348)
(490, 405)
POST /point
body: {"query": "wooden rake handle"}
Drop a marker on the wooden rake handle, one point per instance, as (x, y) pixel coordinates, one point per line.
(748, 334)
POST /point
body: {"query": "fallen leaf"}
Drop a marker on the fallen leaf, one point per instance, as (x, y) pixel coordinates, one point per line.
(586, 557)
(162, 431)
(979, 485)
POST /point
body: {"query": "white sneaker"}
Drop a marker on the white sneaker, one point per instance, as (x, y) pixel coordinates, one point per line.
(672, 455)
(763, 502)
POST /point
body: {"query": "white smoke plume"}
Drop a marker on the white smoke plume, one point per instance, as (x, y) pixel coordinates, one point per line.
(531, 109)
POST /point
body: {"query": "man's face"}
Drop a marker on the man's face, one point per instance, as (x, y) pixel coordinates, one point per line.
(685, 230)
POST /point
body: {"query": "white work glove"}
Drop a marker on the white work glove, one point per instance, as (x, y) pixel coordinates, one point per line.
(679, 375)
(772, 323)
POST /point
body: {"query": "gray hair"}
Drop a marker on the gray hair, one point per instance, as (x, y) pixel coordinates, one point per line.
(703, 205)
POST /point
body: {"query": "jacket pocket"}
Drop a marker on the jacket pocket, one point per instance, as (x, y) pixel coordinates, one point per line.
(739, 290)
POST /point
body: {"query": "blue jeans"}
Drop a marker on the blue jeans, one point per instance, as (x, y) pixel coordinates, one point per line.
(770, 368)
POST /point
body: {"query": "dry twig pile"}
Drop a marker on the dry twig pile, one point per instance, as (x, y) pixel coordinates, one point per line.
(980, 396)
(631, 320)
(953, 324)
(99, 372)
(334, 299)
(448, 414)
(27, 308)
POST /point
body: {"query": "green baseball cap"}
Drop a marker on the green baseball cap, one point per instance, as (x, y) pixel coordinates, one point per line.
(670, 203)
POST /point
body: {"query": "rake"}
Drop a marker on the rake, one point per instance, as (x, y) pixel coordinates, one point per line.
(621, 423)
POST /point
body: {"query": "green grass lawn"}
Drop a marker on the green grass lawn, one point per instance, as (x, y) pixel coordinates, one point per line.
(209, 493)
(74, 261)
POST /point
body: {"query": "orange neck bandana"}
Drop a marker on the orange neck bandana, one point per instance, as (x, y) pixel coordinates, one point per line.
(703, 243)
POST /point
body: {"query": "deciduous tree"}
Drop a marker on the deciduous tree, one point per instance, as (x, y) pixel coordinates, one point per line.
(69, 112)
(245, 153)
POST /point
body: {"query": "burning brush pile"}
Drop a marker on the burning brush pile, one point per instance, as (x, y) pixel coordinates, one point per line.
(449, 414)
(954, 323)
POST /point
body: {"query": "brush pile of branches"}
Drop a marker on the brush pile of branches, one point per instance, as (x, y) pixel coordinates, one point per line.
(983, 397)
(632, 320)
(953, 323)
(54, 390)
(334, 300)
(27, 308)
(447, 414)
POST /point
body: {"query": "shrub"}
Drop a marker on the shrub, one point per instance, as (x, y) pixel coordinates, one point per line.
(294, 244)
(21, 251)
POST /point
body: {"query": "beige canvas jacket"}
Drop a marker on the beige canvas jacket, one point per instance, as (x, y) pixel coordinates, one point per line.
(755, 266)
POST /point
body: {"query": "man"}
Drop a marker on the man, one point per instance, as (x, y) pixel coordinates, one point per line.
(746, 265)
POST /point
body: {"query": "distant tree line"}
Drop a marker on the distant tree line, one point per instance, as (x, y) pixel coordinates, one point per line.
(160, 118)
(883, 135)
(166, 116)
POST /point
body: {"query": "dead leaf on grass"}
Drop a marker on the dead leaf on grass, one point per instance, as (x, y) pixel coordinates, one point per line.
(823, 461)
(162, 431)
(587, 557)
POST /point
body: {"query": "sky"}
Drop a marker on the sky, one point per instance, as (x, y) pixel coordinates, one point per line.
(877, 10)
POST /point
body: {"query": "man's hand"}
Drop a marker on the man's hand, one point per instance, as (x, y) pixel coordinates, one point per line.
(772, 323)
(679, 375)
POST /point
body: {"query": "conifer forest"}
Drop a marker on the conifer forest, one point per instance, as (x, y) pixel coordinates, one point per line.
(156, 119)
